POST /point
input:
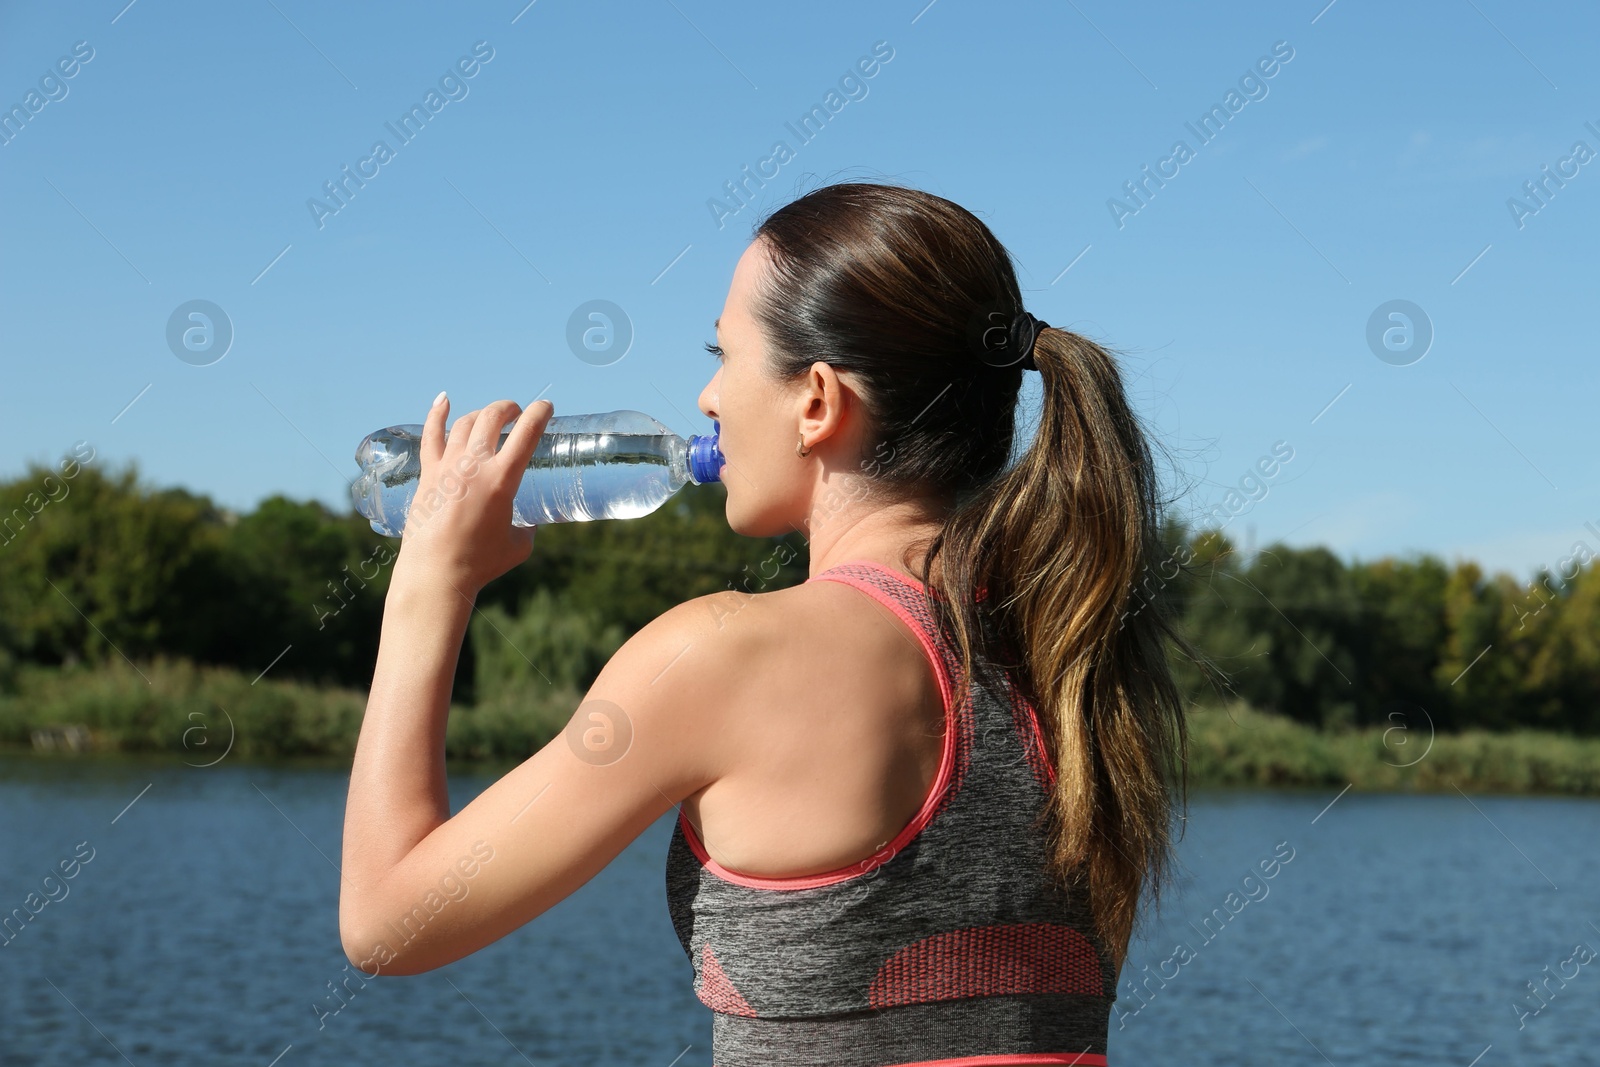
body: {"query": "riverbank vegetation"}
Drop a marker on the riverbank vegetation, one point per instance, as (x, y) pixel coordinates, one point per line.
(139, 619)
(203, 715)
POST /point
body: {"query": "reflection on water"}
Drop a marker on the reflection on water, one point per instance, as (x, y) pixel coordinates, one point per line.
(190, 916)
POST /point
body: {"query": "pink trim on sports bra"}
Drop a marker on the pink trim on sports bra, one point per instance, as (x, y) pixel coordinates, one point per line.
(936, 789)
(1016, 1059)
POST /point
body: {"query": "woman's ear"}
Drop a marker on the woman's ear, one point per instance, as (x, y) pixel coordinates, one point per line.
(825, 398)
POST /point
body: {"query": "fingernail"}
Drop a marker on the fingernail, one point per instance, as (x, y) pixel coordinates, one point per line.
(439, 399)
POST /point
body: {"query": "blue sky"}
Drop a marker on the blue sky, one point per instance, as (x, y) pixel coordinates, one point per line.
(579, 160)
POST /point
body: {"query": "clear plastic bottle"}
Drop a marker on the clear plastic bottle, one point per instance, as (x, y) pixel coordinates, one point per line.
(612, 465)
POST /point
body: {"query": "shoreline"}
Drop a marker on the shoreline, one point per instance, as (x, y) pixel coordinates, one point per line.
(1232, 748)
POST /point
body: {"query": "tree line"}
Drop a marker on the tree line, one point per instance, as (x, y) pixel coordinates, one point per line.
(98, 566)
(95, 565)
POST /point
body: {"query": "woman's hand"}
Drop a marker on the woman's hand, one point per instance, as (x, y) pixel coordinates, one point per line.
(459, 528)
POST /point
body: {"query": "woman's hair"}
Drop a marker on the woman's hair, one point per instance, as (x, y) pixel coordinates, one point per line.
(902, 288)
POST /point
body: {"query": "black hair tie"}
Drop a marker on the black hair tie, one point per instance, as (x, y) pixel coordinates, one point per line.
(1024, 331)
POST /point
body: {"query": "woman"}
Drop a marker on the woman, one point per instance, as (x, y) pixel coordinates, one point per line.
(921, 793)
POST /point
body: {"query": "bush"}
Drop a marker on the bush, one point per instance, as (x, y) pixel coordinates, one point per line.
(168, 705)
(1236, 745)
(550, 644)
(532, 671)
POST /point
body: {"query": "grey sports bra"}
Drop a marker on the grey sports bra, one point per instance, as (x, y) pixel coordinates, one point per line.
(950, 945)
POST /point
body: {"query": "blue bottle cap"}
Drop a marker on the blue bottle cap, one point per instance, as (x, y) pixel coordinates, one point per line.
(705, 459)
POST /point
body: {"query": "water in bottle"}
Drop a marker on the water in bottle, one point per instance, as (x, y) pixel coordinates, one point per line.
(612, 465)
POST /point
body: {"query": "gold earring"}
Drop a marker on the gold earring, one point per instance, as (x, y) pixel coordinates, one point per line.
(800, 449)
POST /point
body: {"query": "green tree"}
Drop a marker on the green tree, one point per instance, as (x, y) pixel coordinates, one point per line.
(1564, 672)
(1404, 612)
(92, 574)
(1203, 599)
(1287, 630)
(1477, 668)
(1550, 630)
(316, 583)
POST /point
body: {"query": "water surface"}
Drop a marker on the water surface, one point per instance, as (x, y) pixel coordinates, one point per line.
(204, 930)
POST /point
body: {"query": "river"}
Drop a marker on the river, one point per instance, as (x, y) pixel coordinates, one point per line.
(200, 926)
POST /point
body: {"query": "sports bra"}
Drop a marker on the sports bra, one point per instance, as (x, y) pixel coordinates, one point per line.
(949, 946)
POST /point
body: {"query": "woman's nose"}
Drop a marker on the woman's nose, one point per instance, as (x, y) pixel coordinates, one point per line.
(709, 398)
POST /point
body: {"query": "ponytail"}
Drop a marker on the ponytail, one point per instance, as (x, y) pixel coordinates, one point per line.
(1059, 540)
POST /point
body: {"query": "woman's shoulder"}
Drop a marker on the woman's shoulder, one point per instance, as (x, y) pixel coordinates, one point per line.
(686, 679)
(725, 629)
(734, 626)
(745, 645)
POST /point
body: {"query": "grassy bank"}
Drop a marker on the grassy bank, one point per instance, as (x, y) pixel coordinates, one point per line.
(1240, 746)
(175, 707)
(172, 706)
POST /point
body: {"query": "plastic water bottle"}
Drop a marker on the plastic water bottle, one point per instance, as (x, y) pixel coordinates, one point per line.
(613, 465)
